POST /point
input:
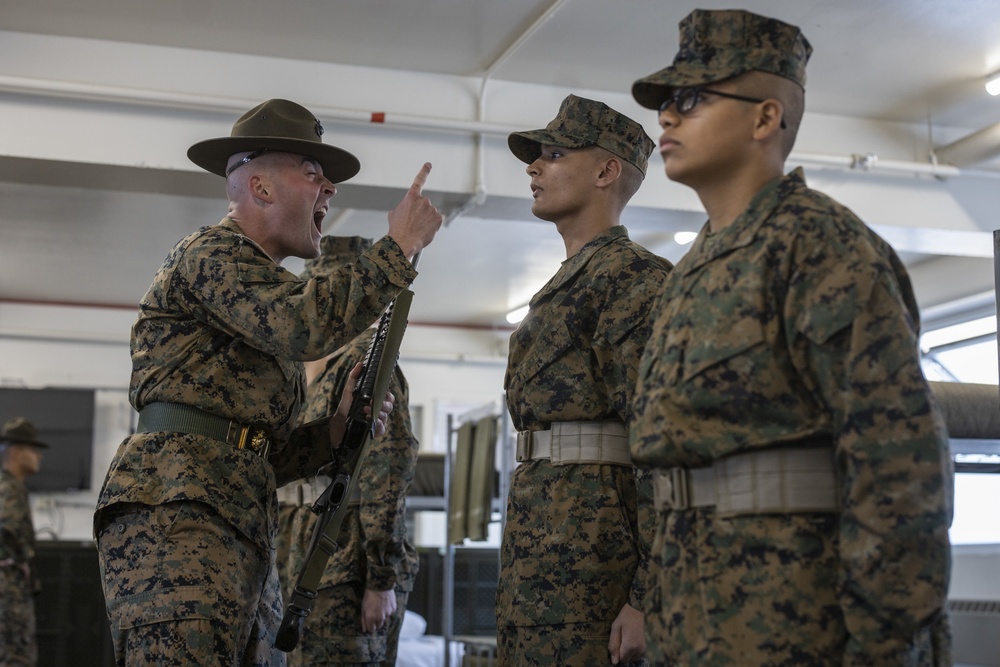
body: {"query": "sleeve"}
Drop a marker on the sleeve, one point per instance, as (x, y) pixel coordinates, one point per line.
(236, 288)
(647, 524)
(304, 454)
(386, 476)
(301, 457)
(860, 354)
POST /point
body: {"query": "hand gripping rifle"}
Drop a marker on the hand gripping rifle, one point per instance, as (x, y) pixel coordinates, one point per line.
(377, 368)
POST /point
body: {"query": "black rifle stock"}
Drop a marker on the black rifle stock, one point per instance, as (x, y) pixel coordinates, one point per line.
(377, 369)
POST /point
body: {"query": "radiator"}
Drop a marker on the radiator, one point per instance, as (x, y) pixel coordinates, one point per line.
(975, 632)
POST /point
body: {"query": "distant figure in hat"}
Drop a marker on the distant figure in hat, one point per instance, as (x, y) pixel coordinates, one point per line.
(572, 557)
(186, 519)
(361, 598)
(21, 454)
(803, 475)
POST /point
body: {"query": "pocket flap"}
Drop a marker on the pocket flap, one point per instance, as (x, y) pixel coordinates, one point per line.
(177, 603)
(739, 335)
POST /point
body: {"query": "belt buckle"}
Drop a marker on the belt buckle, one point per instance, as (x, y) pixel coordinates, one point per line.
(523, 450)
(253, 438)
(678, 496)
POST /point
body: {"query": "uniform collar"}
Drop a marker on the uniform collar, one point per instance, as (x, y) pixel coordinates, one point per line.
(744, 229)
(573, 265)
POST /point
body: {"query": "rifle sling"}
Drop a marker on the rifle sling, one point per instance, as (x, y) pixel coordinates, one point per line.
(324, 539)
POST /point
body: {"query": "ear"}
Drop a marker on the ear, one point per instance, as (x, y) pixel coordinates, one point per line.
(261, 189)
(770, 116)
(610, 172)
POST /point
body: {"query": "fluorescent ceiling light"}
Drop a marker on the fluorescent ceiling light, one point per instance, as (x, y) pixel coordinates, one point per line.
(517, 314)
(993, 84)
(683, 238)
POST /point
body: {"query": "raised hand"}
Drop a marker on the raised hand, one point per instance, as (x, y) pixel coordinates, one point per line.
(415, 221)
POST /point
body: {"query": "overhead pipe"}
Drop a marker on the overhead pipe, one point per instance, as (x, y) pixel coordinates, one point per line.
(480, 194)
(871, 163)
(977, 147)
(865, 163)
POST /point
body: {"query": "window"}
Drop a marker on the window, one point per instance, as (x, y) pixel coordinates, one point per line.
(964, 352)
(964, 349)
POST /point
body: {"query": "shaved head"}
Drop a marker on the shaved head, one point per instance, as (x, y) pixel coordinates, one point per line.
(771, 86)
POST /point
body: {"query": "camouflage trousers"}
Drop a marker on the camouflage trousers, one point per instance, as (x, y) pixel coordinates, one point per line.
(332, 632)
(563, 645)
(17, 618)
(183, 587)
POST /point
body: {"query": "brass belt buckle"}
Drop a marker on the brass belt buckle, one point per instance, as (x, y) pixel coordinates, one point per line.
(253, 438)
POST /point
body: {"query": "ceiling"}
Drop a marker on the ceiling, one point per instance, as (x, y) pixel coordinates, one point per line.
(902, 61)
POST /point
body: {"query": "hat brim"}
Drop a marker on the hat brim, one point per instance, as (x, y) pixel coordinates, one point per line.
(23, 441)
(527, 146)
(653, 90)
(212, 155)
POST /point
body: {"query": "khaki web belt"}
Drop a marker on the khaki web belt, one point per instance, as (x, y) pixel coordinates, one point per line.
(781, 481)
(180, 418)
(564, 443)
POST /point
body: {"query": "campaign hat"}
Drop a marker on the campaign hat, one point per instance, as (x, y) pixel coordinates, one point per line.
(281, 126)
(20, 431)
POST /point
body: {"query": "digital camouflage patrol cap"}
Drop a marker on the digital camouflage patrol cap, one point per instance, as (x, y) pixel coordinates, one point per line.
(720, 44)
(334, 252)
(581, 123)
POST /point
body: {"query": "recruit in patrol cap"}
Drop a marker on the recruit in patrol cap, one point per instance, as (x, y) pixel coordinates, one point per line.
(334, 252)
(721, 44)
(276, 125)
(581, 123)
(20, 431)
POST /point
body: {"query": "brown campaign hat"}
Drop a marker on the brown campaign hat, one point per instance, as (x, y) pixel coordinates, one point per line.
(276, 125)
(581, 123)
(334, 252)
(720, 44)
(20, 431)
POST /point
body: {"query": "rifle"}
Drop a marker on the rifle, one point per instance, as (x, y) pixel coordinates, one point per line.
(377, 368)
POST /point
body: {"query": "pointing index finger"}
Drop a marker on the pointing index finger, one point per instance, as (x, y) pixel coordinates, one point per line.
(418, 182)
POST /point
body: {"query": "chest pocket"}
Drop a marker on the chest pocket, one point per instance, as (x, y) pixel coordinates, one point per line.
(722, 326)
(536, 345)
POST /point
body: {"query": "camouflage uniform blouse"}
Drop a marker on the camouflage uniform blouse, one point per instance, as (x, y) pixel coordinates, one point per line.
(225, 329)
(571, 550)
(17, 534)
(18, 642)
(374, 548)
(796, 325)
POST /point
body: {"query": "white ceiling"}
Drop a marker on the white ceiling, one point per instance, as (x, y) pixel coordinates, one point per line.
(898, 61)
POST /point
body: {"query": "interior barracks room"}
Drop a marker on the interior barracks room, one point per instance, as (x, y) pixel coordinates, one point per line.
(694, 368)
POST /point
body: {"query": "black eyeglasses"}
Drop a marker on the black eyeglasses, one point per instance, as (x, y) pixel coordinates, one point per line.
(687, 99)
(246, 159)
